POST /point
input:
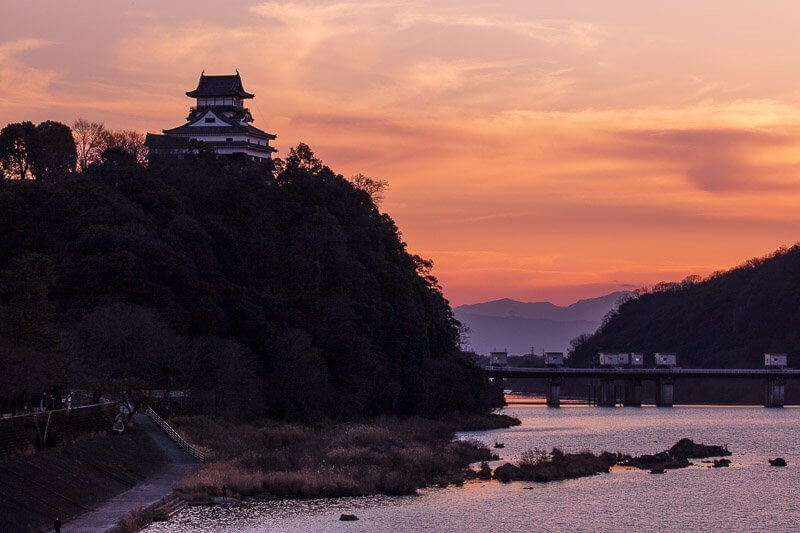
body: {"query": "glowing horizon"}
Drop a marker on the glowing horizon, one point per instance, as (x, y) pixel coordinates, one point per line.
(535, 151)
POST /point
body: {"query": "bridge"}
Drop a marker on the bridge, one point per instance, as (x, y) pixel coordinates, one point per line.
(610, 386)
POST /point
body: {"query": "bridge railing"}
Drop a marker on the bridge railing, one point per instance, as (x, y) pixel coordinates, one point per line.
(187, 446)
(648, 372)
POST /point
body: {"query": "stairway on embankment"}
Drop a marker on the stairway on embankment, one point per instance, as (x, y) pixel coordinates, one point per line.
(168, 507)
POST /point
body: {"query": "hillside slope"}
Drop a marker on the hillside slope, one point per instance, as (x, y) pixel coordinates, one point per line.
(287, 294)
(727, 320)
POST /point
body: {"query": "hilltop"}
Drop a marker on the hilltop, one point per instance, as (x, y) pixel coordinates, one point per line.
(516, 326)
(280, 292)
(726, 320)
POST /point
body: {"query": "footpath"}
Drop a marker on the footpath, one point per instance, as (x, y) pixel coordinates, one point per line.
(178, 464)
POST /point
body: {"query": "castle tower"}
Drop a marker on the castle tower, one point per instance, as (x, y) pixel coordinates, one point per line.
(219, 121)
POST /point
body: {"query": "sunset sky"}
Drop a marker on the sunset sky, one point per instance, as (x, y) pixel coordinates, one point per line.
(534, 150)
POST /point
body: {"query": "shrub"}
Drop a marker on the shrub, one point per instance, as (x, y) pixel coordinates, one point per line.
(390, 456)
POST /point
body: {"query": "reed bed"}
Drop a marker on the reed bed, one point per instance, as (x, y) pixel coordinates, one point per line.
(280, 460)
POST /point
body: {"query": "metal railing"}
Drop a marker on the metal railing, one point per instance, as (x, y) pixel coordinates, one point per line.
(7, 416)
(187, 446)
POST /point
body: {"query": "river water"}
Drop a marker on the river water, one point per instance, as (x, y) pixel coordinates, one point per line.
(748, 496)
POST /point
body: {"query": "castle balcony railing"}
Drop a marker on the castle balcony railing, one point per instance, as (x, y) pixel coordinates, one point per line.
(235, 108)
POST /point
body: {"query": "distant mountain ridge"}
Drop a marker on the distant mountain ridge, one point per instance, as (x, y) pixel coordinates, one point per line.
(508, 324)
(586, 309)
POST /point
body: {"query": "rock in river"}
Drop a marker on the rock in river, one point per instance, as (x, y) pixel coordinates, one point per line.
(779, 461)
(348, 518)
(688, 449)
(506, 473)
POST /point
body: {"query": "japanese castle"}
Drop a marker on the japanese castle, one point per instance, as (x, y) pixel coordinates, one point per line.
(219, 120)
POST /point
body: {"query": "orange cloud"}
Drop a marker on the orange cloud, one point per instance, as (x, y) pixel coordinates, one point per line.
(533, 149)
(713, 160)
(21, 84)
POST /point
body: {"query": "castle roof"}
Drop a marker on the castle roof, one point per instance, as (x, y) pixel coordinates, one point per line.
(226, 85)
(231, 127)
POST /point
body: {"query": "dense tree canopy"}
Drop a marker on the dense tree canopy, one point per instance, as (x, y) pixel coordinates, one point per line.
(728, 320)
(18, 147)
(54, 153)
(285, 293)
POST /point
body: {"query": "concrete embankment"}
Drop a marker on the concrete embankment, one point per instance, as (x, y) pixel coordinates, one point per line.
(25, 433)
(96, 480)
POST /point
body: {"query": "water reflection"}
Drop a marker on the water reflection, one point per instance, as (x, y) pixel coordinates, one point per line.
(750, 496)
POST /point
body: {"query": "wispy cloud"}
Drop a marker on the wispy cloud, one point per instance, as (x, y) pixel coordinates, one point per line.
(21, 84)
(322, 19)
(715, 160)
(528, 144)
(553, 32)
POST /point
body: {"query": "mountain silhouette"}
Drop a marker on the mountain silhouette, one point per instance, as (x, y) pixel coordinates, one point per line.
(508, 324)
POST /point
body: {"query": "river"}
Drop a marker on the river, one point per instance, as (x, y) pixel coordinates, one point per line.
(748, 496)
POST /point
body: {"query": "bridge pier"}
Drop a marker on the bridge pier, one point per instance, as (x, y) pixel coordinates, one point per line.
(775, 388)
(632, 393)
(606, 392)
(665, 388)
(554, 392)
(609, 386)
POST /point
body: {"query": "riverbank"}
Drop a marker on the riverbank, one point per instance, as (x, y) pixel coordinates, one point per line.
(707, 498)
(116, 513)
(382, 456)
(74, 479)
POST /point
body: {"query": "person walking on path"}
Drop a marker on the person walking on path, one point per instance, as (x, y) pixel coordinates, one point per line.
(57, 525)
(224, 493)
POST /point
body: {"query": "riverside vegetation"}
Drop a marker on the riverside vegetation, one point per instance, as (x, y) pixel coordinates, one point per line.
(539, 466)
(386, 455)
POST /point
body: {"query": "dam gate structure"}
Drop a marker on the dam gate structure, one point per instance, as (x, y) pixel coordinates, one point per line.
(619, 381)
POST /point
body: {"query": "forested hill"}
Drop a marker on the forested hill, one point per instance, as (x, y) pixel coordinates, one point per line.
(285, 293)
(727, 320)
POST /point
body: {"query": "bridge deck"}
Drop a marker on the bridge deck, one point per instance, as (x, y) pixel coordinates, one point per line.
(644, 373)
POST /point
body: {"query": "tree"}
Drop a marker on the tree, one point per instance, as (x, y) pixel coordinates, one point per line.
(224, 377)
(303, 158)
(578, 341)
(115, 166)
(127, 346)
(129, 141)
(17, 149)
(54, 153)
(298, 300)
(90, 141)
(28, 310)
(201, 150)
(374, 187)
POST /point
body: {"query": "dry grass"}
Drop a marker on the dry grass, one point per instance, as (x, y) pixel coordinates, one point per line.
(74, 439)
(537, 465)
(387, 455)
